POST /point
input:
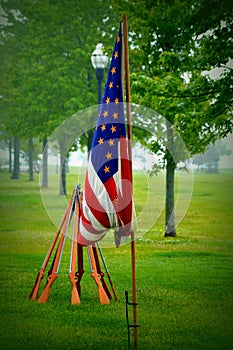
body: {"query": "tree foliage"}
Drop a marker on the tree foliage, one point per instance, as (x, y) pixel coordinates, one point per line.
(46, 69)
(47, 75)
(175, 46)
(181, 64)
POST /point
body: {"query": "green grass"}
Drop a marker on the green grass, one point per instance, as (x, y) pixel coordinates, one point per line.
(184, 285)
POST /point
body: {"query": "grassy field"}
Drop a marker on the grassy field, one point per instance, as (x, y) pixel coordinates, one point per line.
(184, 284)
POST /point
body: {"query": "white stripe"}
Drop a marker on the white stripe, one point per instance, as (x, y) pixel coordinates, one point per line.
(92, 237)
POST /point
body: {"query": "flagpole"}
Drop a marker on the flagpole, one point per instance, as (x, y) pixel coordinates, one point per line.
(129, 131)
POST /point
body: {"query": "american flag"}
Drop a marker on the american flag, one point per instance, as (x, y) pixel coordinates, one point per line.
(107, 196)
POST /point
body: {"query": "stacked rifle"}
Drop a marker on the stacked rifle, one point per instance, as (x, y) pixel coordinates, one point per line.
(76, 259)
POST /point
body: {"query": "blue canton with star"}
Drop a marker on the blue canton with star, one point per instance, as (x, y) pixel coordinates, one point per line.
(110, 124)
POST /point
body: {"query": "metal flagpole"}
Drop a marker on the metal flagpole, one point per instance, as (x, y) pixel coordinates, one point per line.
(129, 131)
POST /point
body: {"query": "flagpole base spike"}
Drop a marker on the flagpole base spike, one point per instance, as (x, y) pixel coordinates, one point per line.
(129, 325)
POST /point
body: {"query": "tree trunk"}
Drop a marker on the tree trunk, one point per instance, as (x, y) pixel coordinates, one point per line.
(30, 159)
(62, 170)
(10, 155)
(67, 166)
(15, 173)
(45, 164)
(170, 215)
(170, 230)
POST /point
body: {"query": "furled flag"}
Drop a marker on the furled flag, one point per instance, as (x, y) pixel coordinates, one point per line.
(107, 197)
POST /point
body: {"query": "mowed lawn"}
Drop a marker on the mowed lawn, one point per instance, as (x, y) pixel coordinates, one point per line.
(184, 284)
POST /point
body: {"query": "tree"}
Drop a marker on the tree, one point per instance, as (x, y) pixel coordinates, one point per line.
(46, 68)
(175, 46)
(210, 159)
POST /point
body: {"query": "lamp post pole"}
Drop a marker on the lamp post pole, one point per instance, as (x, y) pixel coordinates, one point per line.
(99, 62)
(99, 72)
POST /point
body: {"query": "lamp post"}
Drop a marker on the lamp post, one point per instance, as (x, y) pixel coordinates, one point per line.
(99, 62)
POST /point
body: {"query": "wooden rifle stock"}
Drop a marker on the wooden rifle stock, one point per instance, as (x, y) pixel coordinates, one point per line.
(53, 272)
(36, 287)
(75, 299)
(100, 272)
(81, 271)
(45, 294)
(97, 278)
(75, 276)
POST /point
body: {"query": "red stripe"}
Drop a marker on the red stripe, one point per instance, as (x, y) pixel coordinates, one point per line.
(88, 225)
(125, 205)
(94, 205)
(126, 213)
(110, 186)
(83, 241)
(125, 162)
